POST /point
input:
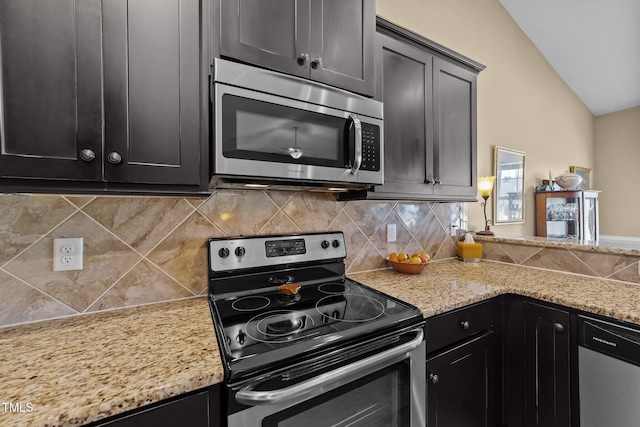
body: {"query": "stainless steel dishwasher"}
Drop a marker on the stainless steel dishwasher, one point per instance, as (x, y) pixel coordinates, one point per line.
(609, 360)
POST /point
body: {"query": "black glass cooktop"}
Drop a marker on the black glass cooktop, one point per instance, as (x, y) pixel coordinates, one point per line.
(264, 327)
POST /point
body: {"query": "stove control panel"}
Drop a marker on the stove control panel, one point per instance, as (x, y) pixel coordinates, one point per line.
(285, 247)
(259, 251)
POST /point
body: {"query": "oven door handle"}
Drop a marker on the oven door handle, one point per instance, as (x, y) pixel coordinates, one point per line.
(248, 396)
(357, 154)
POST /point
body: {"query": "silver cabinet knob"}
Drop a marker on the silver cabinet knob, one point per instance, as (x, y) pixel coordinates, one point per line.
(558, 327)
(87, 155)
(316, 63)
(437, 181)
(434, 378)
(429, 181)
(465, 325)
(303, 58)
(114, 158)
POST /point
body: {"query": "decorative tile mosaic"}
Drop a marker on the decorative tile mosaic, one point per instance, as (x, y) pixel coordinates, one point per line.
(142, 250)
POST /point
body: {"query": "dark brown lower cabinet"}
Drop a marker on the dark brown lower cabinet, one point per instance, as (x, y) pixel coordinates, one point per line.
(464, 366)
(547, 366)
(463, 384)
(201, 409)
(539, 364)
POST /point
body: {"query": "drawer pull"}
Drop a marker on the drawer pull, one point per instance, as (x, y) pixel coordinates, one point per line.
(465, 325)
(434, 378)
(558, 327)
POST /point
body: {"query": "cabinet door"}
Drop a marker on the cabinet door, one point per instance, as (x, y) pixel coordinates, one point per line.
(454, 156)
(547, 376)
(559, 214)
(342, 43)
(273, 34)
(189, 411)
(152, 91)
(463, 385)
(404, 85)
(50, 89)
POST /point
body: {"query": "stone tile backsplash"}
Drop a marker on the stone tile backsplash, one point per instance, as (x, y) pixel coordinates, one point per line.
(141, 250)
(595, 264)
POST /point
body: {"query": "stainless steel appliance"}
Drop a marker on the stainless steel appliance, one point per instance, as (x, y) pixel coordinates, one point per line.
(304, 345)
(609, 360)
(276, 131)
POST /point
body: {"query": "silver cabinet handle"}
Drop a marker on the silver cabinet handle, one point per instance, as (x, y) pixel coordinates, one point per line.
(114, 158)
(429, 181)
(303, 58)
(316, 63)
(357, 161)
(465, 325)
(87, 155)
(558, 327)
(437, 181)
(434, 378)
(340, 376)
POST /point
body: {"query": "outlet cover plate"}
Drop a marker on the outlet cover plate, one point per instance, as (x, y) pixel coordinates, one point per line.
(67, 254)
(391, 233)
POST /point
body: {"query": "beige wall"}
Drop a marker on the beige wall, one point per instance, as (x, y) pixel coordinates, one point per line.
(522, 103)
(616, 174)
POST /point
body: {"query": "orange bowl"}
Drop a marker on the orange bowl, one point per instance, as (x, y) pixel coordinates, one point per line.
(406, 268)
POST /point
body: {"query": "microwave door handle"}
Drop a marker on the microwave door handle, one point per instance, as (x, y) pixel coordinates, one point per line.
(344, 374)
(357, 158)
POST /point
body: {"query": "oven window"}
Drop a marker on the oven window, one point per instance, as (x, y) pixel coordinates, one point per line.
(381, 399)
(257, 130)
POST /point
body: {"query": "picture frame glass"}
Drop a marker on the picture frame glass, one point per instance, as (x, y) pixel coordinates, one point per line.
(508, 201)
(585, 173)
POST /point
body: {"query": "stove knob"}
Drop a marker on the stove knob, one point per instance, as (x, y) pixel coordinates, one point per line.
(324, 244)
(223, 252)
(335, 243)
(241, 337)
(240, 251)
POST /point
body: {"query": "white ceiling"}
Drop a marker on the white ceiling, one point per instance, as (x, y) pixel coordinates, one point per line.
(594, 45)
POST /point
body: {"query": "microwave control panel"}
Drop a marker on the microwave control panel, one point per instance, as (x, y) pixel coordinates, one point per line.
(370, 147)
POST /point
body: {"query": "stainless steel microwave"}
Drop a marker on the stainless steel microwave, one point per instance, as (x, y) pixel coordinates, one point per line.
(272, 130)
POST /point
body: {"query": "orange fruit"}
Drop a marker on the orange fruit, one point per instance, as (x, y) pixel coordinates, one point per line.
(415, 255)
(393, 257)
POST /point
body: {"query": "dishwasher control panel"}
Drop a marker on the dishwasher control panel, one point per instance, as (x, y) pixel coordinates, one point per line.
(613, 339)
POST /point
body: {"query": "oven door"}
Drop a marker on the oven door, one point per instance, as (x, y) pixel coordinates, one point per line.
(386, 389)
(268, 136)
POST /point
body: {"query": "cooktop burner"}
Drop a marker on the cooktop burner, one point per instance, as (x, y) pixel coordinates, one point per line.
(268, 308)
(250, 303)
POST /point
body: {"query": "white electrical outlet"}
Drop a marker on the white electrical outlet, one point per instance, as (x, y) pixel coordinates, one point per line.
(67, 254)
(391, 233)
(453, 229)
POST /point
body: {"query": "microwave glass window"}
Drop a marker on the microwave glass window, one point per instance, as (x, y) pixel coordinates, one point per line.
(258, 130)
(266, 134)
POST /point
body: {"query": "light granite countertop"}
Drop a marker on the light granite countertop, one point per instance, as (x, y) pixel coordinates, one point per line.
(450, 284)
(81, 369)
(85, 368)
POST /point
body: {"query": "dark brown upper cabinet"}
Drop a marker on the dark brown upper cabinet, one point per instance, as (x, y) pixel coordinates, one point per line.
(329, 41)
(104, 95)
(429, 96)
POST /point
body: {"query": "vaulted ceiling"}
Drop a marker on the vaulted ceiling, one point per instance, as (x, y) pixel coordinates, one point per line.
(593, 45)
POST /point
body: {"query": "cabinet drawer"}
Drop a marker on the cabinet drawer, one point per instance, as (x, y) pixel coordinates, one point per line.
(450, 328)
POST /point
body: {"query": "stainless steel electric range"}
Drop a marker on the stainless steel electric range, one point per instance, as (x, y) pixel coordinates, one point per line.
(304, 345)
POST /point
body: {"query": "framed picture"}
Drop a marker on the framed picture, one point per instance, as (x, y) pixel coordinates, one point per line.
(585, 173)
(508, 202)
